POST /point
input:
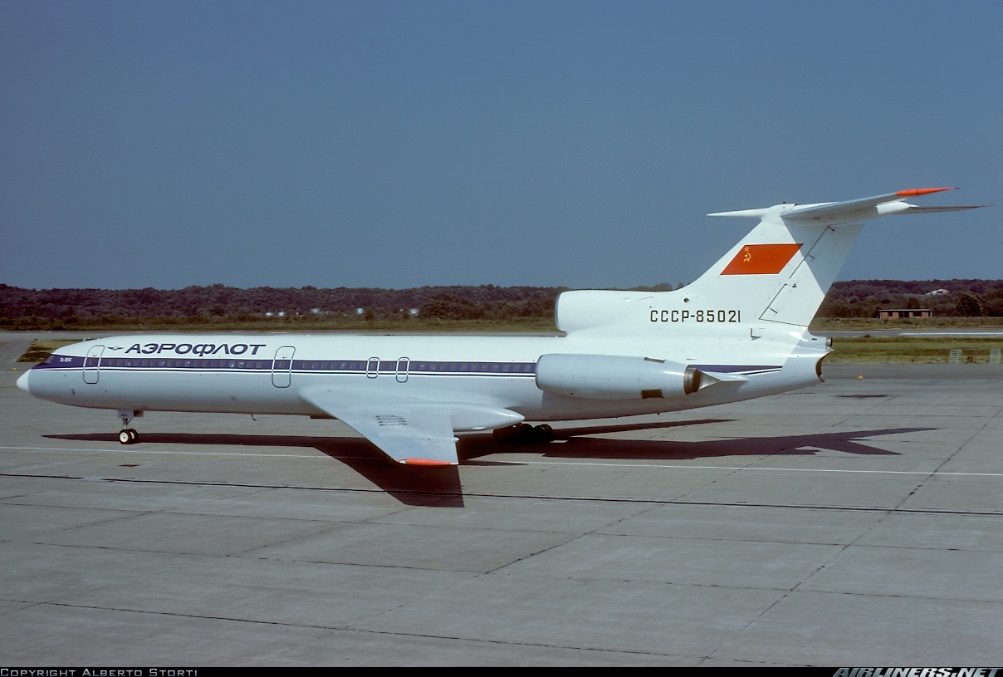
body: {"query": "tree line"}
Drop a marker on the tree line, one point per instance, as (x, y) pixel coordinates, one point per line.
(946, 298)
(68, 308)
(30, 308)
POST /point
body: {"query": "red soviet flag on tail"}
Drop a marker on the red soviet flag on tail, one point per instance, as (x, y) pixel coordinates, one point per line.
(761, 259)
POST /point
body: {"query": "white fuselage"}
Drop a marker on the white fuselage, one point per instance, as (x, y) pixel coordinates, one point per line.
(265, 373)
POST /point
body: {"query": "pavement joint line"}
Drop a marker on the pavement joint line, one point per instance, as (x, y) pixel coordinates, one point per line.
(563, 463)
(725, 467)
(172, 453)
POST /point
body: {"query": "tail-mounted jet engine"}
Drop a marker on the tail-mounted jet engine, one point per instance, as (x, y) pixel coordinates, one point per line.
(615, 377)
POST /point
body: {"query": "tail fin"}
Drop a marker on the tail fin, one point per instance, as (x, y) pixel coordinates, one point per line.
(784, 267)
(779, 272)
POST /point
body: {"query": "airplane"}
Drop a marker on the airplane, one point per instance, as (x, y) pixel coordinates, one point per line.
(739, 331)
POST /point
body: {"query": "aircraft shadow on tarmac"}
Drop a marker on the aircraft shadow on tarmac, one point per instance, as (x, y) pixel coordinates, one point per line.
(577, 444)
(411, 486)
(441, 487)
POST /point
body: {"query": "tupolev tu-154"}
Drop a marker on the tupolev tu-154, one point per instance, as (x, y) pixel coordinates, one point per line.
(739, 331)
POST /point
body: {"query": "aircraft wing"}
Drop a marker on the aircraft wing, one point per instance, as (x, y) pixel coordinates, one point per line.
(409, 430)
(405, 430)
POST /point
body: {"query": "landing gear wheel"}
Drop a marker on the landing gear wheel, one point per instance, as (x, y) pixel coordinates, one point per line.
(513, 434)
(523, 433)
(128, 435)
(543, 434)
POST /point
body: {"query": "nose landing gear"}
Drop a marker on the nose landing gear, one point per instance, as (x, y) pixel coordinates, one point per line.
(128, 435)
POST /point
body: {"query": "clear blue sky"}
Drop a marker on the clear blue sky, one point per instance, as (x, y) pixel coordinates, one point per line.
(406, 143)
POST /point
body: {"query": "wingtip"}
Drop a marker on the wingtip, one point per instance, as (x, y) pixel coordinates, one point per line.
(913, 192)
(753, 213)
(427, 462)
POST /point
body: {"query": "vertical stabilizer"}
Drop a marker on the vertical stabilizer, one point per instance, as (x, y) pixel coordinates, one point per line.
(778, 273)
(782, 270)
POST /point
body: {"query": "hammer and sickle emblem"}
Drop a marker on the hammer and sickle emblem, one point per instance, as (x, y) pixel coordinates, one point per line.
(748, 256)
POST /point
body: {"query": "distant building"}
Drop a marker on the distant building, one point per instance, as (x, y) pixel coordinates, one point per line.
(904, 313)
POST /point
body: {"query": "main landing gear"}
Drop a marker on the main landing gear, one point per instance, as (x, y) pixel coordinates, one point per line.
(128, 435)
(524, 433)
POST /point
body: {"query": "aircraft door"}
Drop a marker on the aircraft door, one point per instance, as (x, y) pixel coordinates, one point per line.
(373, 367)
(92, 364)
(403, 364)
(282, 367)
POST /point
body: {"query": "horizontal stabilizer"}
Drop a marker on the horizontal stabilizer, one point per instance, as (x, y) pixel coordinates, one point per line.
(891, 202)
(850, 211)
(914, 209)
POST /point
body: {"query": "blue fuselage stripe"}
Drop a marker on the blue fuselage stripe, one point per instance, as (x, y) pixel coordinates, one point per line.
(463, 368)
(353, 366)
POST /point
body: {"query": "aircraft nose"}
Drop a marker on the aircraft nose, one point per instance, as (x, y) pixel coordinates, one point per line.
(22, 381)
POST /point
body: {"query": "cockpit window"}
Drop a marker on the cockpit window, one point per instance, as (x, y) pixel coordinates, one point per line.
(50, 359)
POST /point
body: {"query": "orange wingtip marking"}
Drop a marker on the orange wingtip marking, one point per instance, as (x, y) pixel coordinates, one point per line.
(761, 259)
(425, 461)
(920, 191)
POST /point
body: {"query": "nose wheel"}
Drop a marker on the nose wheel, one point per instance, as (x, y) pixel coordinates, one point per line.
(128, 435)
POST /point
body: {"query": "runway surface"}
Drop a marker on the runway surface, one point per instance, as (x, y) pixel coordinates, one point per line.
(859, 522)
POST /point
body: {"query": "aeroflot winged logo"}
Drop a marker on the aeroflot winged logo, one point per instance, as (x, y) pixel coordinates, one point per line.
(761, 259)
